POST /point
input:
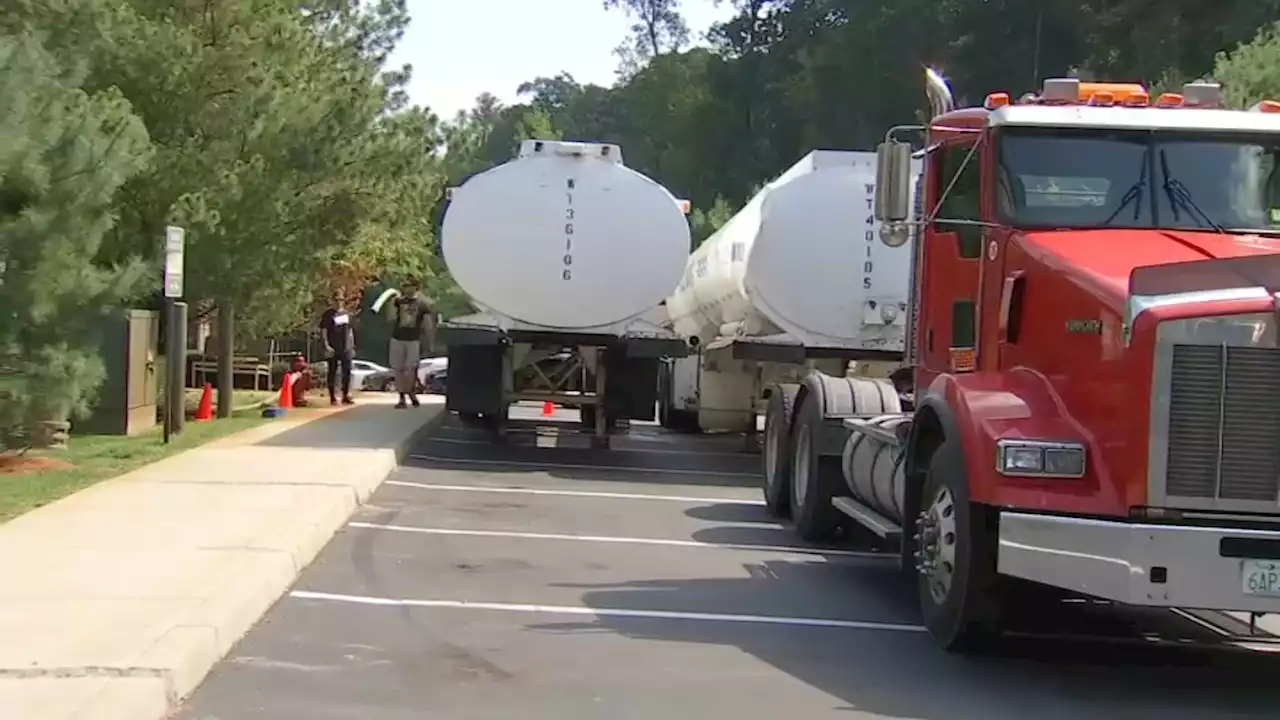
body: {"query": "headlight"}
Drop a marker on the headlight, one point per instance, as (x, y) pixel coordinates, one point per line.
(1040, 458)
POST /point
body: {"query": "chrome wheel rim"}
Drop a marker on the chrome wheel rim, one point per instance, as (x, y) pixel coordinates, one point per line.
(937, 540)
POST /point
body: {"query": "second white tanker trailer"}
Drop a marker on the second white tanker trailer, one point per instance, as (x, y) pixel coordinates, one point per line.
(795, 281)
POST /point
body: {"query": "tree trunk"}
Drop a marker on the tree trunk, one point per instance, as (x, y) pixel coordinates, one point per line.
(226, 357)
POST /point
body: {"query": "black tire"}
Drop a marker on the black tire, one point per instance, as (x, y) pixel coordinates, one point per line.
(776, 453)
(587, 420)
(496, 425)
(966, 618)
(815, 480)
(388, 385)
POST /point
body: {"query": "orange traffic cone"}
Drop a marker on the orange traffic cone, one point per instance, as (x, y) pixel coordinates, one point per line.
(548, 408)
(286, 393)
(205, 410)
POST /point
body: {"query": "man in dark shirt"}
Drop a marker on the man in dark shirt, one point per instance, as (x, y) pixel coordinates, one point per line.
(339, 347)
(411, 314)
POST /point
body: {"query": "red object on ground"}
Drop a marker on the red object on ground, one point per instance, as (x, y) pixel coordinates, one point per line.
(286, 392)
(301, 381)
(548, 408)
(205, 410)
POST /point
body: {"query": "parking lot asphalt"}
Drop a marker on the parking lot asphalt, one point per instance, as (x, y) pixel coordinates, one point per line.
(542, 579)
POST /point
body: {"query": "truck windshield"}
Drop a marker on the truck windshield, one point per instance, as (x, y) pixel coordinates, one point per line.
(1056, 177)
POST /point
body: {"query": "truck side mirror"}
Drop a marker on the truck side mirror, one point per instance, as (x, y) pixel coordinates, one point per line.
(893, 192)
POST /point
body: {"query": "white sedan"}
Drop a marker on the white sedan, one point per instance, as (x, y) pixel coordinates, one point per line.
(383, 378)
(362, 370)
(430, 366)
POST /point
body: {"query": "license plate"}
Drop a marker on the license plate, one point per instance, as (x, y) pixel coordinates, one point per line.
(1261, 577)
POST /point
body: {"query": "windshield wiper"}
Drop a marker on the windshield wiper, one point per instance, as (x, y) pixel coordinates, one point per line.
(1180, 196)
(1135, 191)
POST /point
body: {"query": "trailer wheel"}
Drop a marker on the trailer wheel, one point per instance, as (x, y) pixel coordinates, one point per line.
(587, 420)
(956, 559)
(815, 480)
(777, 449)
(496, 425)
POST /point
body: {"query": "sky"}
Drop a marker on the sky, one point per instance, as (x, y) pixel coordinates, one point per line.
(461, 48)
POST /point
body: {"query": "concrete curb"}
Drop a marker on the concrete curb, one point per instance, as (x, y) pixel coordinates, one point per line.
(229, 616)
(431, 425)
(248, 581)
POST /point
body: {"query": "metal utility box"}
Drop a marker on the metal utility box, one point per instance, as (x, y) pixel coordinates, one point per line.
(127, 401)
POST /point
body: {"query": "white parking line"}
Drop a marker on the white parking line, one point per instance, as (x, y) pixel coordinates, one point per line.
(605, 612)
(540, 442)
(1200, 621)
(538, 465)
(573, 493)
(618, 540)
(1232, 628)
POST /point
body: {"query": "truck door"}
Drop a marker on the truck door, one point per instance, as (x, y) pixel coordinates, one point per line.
(948, 332)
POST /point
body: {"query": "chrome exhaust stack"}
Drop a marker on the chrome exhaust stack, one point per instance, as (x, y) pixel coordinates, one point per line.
(940, 97)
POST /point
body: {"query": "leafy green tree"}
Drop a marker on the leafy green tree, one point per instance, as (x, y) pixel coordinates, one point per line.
(1251, 72)
(64, 153)
(705, 222)
(282, 146)
(1141, 40)
(658, 27)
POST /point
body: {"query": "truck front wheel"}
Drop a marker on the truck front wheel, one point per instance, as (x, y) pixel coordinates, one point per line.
(956, 558)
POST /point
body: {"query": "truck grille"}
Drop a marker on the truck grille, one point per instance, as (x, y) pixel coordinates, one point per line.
(1224, 423)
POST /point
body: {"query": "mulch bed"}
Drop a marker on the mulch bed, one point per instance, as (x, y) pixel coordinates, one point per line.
(20, 464)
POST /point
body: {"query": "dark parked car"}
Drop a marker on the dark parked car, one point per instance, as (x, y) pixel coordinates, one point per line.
(437, 381)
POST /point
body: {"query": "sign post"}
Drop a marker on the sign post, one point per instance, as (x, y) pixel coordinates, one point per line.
(175, 331)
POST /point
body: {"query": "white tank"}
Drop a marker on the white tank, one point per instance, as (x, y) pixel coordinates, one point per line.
(565, 236)
(803, 257)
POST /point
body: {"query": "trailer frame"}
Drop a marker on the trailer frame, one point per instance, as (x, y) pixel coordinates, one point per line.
(489, 362)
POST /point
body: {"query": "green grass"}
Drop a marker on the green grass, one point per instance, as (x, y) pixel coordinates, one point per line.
(98, 457)
(241, 398)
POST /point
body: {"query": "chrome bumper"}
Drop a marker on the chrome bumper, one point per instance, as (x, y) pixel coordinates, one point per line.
(1137, 564)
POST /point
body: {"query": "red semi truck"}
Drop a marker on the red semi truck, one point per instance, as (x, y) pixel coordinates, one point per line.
(1090, 398)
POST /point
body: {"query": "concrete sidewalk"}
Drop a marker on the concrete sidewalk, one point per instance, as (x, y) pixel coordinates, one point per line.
(116, 601)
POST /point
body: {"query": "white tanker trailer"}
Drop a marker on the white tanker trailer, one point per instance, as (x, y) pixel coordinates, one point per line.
(568, 254)
(797, 280)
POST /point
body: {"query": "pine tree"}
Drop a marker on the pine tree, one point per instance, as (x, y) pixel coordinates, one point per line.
(64, 153)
